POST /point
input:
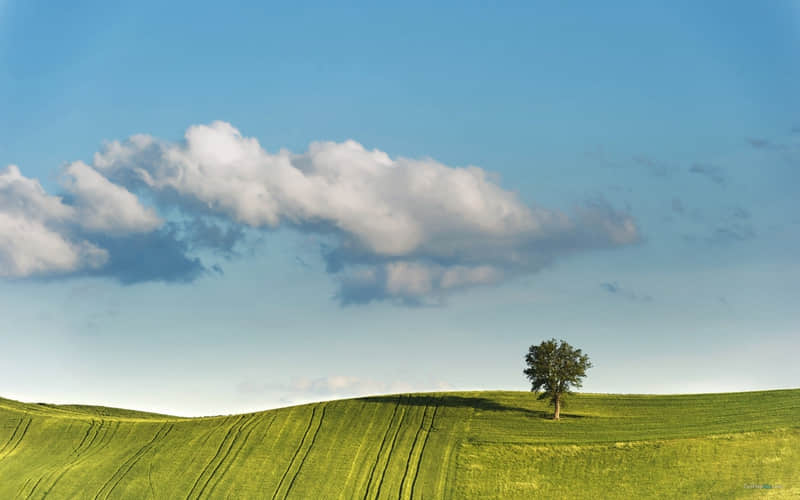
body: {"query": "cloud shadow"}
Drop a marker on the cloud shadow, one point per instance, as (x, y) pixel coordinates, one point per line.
(453, 401)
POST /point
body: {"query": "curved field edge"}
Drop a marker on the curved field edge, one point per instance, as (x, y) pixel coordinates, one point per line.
(435, 445)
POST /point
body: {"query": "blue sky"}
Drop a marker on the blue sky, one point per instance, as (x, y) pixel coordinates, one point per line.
(623, 176)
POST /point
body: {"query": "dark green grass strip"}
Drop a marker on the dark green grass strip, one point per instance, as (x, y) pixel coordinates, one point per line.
(213, 479)
(296, 453)
(212, 463)
(229, 463)
(411, 453)
(389, 453)
(422, 452)
(308, 450)
(126, 466)
(380, 450)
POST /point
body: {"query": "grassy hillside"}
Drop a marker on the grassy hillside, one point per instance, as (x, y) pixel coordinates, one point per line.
(442, 445)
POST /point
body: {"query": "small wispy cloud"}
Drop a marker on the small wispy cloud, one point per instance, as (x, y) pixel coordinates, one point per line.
(759, 143)
(740, 213)
(615, 288)
(733, 227)
(677, 206)
(736, 226)
(733, 232)
(712, 172)
(654, 167)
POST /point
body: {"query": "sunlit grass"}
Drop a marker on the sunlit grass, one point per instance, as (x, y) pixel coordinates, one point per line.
(438, 445)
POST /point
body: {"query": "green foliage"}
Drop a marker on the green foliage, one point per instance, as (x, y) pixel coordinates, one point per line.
(442, 445)
(555, 367)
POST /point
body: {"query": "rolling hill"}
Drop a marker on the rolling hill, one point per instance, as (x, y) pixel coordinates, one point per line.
(435, 445)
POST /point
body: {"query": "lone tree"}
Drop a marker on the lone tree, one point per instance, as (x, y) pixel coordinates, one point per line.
(555, 367)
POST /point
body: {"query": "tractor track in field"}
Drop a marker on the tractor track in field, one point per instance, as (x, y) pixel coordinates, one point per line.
(150, 479)
(36, 485)
(211, 431)
(380, 449)
(422, 452)
(76, 453)
(14, 439)
(308, 450)
(85, 436)
(352, 475)
(264, 484)
(389, 453)
(86, 452)
(125, 468)
(11, 437)
(411, 453)
(229, 436)
(214, 479)
(89, 450)
(229, 463)
(25, 485)
(297, 452)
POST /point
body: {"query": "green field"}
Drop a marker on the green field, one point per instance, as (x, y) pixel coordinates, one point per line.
(438, 445)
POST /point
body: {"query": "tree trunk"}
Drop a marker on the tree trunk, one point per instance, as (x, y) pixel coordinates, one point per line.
(557, 414)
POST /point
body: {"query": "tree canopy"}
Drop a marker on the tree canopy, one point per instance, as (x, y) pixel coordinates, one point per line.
(555, 367)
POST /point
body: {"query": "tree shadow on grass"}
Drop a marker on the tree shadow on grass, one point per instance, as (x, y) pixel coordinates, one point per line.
(453, 401)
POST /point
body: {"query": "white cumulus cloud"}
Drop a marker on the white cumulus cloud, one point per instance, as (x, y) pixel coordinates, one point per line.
(41, 234)
(406, 230)
(28, 247)
(105, 206)
(34, 238)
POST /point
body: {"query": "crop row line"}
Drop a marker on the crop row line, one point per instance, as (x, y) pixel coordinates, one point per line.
(227, 440)
(422, 451)
(3, 453)
(126, 467)
(296, 452)
(14, 439)
(210, 432)
(233, 459)
(354, 472)
(272, 443)
(88, 450)
(380, 449)
(308, 450)
(76, 453)
(411, 453)
(294, 463)
(389, 452)
(214, 478)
